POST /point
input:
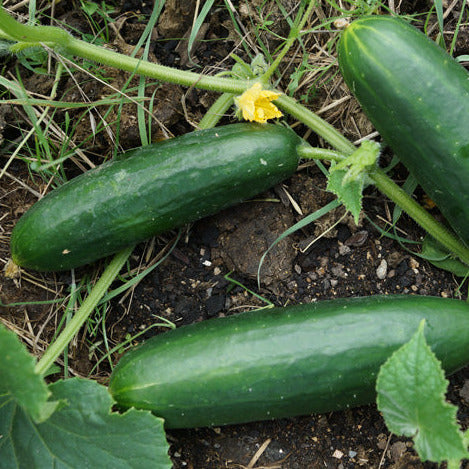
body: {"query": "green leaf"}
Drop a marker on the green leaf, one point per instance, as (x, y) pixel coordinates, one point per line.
(440, 257)
(241, 69)
(360, 161)
(349, 193)
(411, 396)
(258, 65)
(82, 434)
(5, 47)
(90, 8)
(347, 177)
(18, 379)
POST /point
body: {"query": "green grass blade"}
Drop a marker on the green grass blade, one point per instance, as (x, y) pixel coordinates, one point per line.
(197, 25)
(145, 138)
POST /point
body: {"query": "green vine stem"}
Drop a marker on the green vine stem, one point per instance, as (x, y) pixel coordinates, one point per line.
(152, 70)
(315, 123)
(389, 188)
(16, 31)
(315, 153)
(73, 326)
(63, 42)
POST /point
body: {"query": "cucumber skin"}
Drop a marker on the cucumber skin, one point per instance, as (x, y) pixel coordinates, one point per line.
(283, 362)
(417, 97)
(153, 189)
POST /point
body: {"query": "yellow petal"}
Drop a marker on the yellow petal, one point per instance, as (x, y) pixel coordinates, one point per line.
(248, 111)
(270, 95)
(255, 104)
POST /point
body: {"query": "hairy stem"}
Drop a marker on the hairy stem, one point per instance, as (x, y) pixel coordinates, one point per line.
(389, 188)
(61, 41)
(17, 31)
(315, 123)
(315, 153)
(152, 70)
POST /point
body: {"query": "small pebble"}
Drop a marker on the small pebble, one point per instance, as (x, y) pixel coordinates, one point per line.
(357, 239)
(382, 270)
(397, 450)
(337, 454)
(464, 392)
(344, 249)
(215, 304)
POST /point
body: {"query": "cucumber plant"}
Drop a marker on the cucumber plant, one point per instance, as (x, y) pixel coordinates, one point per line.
(59, 39)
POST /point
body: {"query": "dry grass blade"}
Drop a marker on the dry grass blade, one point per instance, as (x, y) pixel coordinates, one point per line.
(257, 456)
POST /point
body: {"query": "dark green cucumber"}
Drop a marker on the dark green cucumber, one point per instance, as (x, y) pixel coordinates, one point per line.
(283, 362)
(417, 97)
(152, 190)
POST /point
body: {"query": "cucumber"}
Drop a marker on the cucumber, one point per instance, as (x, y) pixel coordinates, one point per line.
(153, 189)
(417, 97)
(283, 362)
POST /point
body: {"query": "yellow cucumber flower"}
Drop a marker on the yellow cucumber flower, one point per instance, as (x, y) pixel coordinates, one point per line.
(255, 104)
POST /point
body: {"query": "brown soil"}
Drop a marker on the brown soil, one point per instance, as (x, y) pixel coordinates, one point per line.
(190, 285)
